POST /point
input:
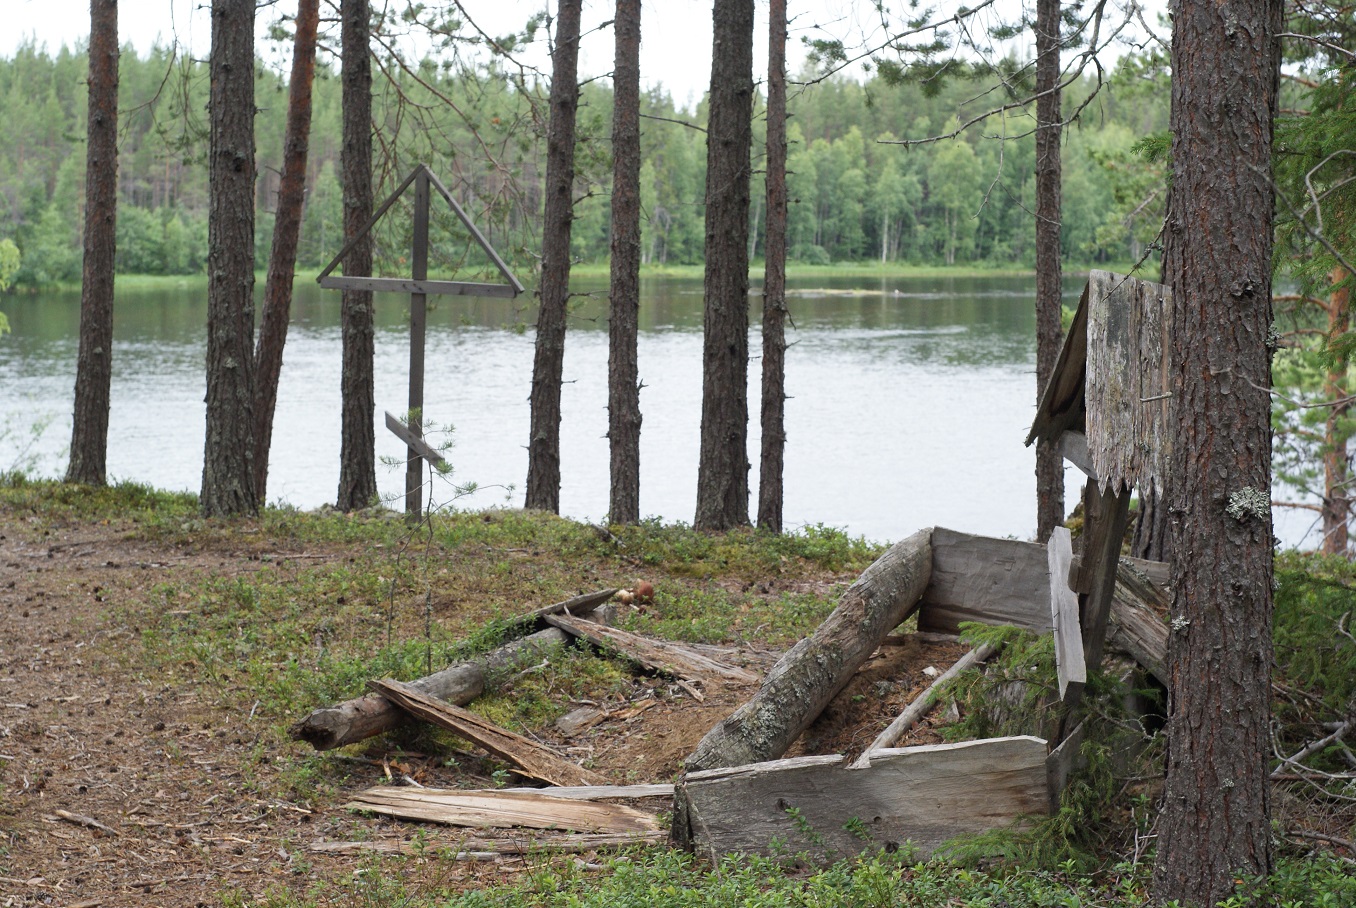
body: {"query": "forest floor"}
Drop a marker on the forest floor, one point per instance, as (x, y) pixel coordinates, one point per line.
(153, 662)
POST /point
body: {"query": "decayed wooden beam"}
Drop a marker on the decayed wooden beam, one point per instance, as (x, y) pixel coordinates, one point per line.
(804, 680)
(1070, 662)
(530, 758)
(655, 655)
(503, 810)
(1136, 627)
(363, 717)
(922, 795)
(990, 581)
(923, 704)
(488, 849)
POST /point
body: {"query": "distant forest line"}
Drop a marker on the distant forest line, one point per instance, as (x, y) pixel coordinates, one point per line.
(856, 194)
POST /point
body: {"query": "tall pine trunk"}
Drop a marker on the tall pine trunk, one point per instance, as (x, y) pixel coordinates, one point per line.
(1336, 507)
(357, 454)
(94, 368)
(286, 228)
(623, 386)
(723, 466)
(1215, 827)
(228, 457)
(548, 364)
(773, 415)
(1049, 303)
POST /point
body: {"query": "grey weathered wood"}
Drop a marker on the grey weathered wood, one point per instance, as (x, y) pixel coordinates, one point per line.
(1069, 659)
(503, 809)
(407, 285)
(414, 474)
(990, 581)
(363, 717)
(1063, 761)
(656, 655)
(1128, 381)
(1062, 403)
(920, 795)
(531, 759)
(602, 792)
(923, 704)
(1136, 627)
(491, 849)
(1158, 573)
(808, 676)
(415, 442)
(1073, 447)
(1105, 516)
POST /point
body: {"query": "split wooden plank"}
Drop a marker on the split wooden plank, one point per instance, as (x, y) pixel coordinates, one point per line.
(364, 717)
(659, 656)
(989, 581)
(482, 848)
(603, 792)
(1136, 627)
(918, 795)
(530, 758)
(923, 704)
(1070, 663)
(812, 672)
(503, 810)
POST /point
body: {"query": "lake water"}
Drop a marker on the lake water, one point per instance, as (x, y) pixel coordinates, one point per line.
(910, 398)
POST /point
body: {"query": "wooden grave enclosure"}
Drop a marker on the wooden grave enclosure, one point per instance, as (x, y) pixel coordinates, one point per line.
(419, 287)
(830, 807)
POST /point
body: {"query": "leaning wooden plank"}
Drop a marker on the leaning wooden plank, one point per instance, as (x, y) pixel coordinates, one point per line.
(918, 795)
(1070, 664)
(655, 655)
(990, 581)
(813, 671)
(363, 717)
(924, 703)
(530, 758)
(503, 809)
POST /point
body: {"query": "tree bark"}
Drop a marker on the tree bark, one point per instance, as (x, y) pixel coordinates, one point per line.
(723, 466)
(623, 408)
(1049, 295)
(1336, 464)
(812, 672)
(1151, 537)
(286, 228)
(94, 367)
(1215, 823)
(548, 363)
(357, 456)
(773, 415)
(228, 474)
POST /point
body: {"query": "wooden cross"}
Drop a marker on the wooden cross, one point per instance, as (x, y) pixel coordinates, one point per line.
(419, 287)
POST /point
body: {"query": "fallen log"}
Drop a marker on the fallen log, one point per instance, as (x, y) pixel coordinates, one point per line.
(531, 759)
(364, 717)
(812, 672)
(503, 810)
(1136, 628)
(655, 655)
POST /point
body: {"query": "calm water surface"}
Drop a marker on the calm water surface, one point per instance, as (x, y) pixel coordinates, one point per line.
(910, 398)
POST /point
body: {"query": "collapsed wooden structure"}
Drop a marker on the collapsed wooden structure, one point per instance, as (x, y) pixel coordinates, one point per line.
(738, 792)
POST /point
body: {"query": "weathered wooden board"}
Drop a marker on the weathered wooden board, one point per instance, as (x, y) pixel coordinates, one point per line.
(1070, 664)
(655, 655)
(990, 581)
(1128, 386)
(918, 795)
(1136, 627)
(471, 848)
(1073, 447)
(1063, 761)
(1062, 400)
(503, 809)
(414, 441)
(531, 759)
(602, 792)
(813, 671)
(923, 704)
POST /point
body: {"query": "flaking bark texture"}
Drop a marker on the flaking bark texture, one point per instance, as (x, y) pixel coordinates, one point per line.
(548, 363)
(228, 461)
(286, 228)
(1215, 826)
(813, 671)
(723, 465)
(357, 455)
(1049, 305)
(773, 416)
(623, 381)
(94, 367)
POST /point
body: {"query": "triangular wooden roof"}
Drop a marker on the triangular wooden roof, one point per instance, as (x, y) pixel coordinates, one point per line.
(510, 289)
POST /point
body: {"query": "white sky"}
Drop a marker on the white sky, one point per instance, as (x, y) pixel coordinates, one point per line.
(675, 34)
